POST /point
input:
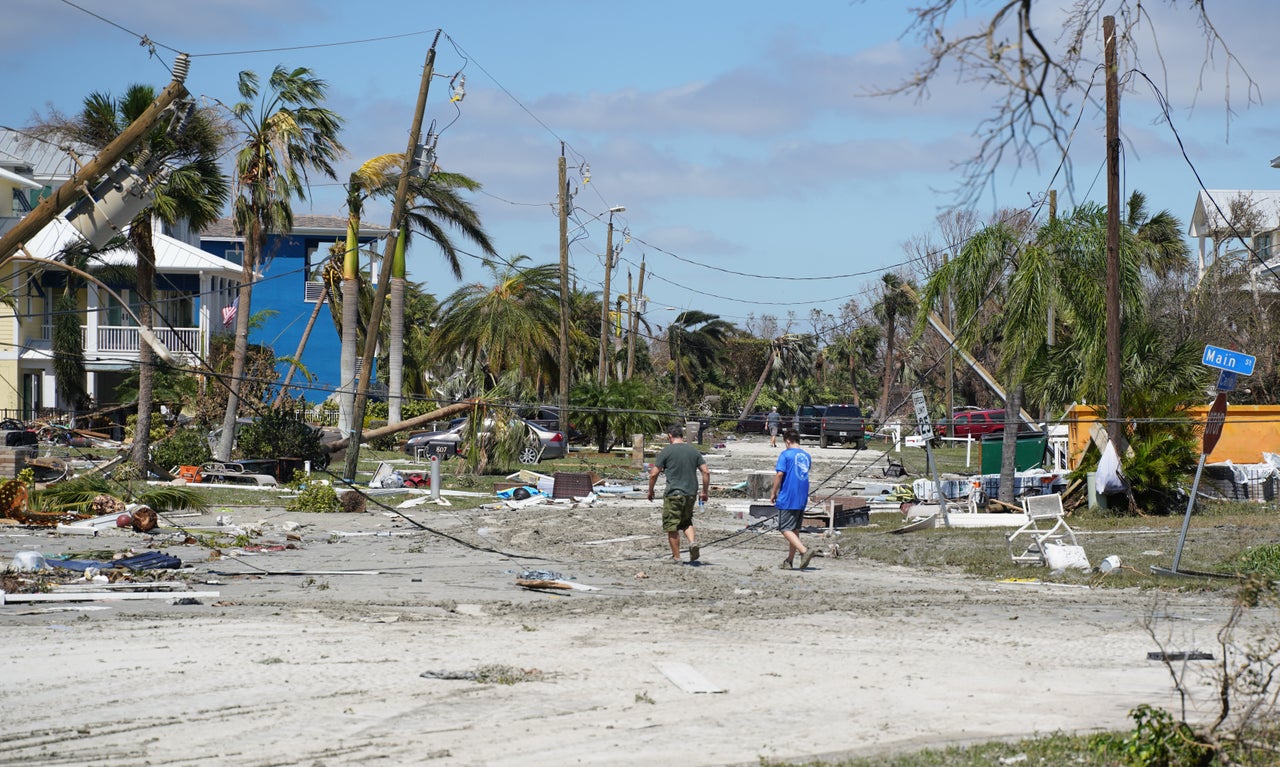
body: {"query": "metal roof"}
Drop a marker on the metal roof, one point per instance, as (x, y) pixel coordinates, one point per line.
(224, 228)
(1206, 218)
(172, 256)
(50, 164)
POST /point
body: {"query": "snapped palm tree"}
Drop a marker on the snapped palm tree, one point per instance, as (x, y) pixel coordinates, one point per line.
(285, 135)
(193, 190)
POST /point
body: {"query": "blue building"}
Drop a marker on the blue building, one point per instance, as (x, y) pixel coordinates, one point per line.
(291, 283)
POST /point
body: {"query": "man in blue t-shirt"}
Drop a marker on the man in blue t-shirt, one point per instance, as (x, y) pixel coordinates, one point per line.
(791, 496)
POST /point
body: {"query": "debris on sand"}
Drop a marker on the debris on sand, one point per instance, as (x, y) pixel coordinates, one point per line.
(489, 673)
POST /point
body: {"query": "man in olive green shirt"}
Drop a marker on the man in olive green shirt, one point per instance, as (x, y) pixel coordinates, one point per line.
(682, 463)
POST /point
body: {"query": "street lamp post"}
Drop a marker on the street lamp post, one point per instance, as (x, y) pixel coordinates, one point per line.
(604, 301)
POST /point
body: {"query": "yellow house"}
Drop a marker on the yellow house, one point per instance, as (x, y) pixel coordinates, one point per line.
(1249, 431)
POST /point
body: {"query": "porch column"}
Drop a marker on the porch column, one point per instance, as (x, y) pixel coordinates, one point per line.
(91, 333)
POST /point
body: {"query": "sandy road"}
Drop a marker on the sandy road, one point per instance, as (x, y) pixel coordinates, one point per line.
(847, 657)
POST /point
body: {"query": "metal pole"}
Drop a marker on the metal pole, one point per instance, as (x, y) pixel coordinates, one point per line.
(1186, 519)
(435, 477)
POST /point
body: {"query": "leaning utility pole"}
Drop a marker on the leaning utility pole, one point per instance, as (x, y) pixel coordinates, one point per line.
(384, 275)
(31, 224)
(1114, 416)
(563, 194)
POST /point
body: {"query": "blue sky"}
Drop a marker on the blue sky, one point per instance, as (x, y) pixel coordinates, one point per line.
(738, 135)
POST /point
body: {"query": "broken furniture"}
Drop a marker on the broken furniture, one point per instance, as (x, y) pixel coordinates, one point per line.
(1044, 526)
(236, 472)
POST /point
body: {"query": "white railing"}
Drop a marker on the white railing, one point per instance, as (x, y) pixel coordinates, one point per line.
(124, 338)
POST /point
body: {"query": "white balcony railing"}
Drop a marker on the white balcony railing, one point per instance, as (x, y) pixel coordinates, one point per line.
(124, 338)
(118, 339)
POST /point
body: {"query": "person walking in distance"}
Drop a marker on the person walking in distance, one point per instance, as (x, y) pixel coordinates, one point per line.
(791, 496)
(682, 463)
(772, 422)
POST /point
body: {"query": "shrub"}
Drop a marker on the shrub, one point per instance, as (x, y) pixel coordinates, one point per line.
(185, 447)
(280, 435)
(315, 497)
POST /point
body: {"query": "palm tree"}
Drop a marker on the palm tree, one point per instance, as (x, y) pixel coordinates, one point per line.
(895, 301)
(511, 325)
(285, 136)
(696, 342)
(194, 190)
(789, 354)
(435, 208)
(857, 349)
(1158, 238)
(1063, 264)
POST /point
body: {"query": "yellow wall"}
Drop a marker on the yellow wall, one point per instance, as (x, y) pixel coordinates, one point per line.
(1248, 431)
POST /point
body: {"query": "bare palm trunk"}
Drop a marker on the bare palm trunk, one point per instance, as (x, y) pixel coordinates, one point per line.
(297, 356)
(1009, 446)
(891, 332)
(755, 393)
(240, 353)
(350, 318)
(140, 236)
(395, 364)
(853, 380)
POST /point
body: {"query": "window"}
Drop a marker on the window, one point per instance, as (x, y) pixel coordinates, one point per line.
(1263, 243)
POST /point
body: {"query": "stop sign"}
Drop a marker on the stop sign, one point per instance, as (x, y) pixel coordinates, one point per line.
(1213, 425)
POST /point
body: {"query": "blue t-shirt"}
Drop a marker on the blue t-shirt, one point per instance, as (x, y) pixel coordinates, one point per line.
(793, 494)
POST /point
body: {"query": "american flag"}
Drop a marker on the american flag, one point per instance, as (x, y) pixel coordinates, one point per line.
(229, 313)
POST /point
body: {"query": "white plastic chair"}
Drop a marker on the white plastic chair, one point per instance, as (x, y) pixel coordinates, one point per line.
(1044, 525)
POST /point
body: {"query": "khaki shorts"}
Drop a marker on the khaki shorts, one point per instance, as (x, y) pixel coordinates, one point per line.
(677, 512)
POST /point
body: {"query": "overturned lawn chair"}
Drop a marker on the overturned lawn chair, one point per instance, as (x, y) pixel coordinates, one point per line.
(1044, 526)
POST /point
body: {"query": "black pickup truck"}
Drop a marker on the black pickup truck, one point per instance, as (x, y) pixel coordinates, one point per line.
(808, 420)
(841, 424)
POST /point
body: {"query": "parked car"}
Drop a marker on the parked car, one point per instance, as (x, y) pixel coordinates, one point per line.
(976, 423)
(549, 418)
(808, 420)
(841, 424)
(541, 444)
(753, 423)
(420, 439)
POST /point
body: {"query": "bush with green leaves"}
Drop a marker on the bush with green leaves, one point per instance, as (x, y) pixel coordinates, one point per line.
(381, 443)
(315, 497)
(619, 408)
(280, 435)
(185, 447)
